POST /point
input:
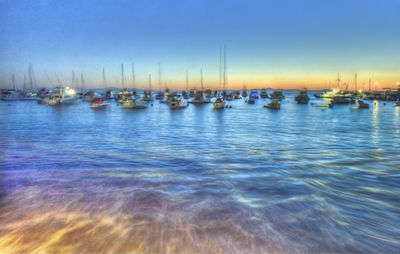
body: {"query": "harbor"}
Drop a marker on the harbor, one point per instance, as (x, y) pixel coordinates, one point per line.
(199, 180)
(199, 127)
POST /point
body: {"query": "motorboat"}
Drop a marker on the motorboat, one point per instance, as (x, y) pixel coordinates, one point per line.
(362, 104)
(264, 94)
(274, 104)
(219, 103)
(99, 103)
(53, 99)
(302, 97)
(147, 95)
(250, 101)
(178, 103)
(135, 103)
(123, 96)
(244, 93)
(62, 95)
(277, 94)
(254, 94)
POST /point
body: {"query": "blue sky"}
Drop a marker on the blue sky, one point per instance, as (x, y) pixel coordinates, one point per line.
(288, 43)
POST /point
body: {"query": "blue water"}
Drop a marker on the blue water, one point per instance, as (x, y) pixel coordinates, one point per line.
(240, 180)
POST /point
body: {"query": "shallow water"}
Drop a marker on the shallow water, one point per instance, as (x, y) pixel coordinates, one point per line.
(240, 180)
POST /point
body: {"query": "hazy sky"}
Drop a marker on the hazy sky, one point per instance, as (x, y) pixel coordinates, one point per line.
(270, 43)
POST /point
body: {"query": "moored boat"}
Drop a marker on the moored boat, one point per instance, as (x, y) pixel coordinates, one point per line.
(219, 103)
(277, 94)
(99, 103)
(362, 104)
(263, 93)
(254, 94)
(178, 103)
(135, 103)
(302, 97)
(274, 104)
(250, 101)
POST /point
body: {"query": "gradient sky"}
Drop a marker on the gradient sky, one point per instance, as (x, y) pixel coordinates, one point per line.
(270, 43)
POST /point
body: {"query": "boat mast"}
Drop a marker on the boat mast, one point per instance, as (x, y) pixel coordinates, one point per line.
(104, 78)
(355, 81)
(30, 76)
(201, 78)
(122, 76)
(159, 75)
(13, 81)
(225, 75)
(83, 82)
(220, 68)
(133, 76)
(24, 82)
(338, 80)
(72, 79)
(187, 80)
(369, 84)
(149, 82)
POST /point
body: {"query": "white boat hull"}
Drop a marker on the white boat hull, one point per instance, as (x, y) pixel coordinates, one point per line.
(179, 104)
(136, 104)
(219, 105)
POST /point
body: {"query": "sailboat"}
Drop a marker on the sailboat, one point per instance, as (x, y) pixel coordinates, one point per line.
(160, 94)
(147, 94)
(185, 94)
(199, 97)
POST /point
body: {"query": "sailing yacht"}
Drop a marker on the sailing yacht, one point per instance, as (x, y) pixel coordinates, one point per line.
(199, 97)
(147, 94)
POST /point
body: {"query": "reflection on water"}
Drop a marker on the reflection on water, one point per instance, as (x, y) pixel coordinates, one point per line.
(243, 180)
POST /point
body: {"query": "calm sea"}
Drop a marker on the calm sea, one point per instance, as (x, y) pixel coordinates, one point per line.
(240, 180)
